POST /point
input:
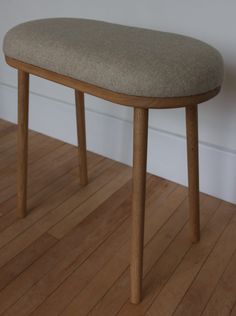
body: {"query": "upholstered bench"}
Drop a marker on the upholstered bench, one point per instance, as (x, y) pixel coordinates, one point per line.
(130, 66)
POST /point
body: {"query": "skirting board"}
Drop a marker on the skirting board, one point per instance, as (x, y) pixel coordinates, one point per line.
(112, 137)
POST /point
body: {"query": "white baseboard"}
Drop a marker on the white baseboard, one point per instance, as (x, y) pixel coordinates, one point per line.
(112, 137)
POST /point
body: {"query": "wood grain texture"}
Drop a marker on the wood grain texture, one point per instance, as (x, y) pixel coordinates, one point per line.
(119, 98)
(54, 165)
(120, 203)
(173, 251)
(193, 171)
(233, 312)
(86, 270)
(81, 133)
(38, 147)
(22, 142)
(24, 259)
(201, 288)
(47, 215)
(223, 299)
(140, 136)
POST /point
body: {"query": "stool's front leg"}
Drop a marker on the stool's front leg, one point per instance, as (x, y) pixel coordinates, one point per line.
(81, 134)
(193, 173)
(138, 203)
(22, 142)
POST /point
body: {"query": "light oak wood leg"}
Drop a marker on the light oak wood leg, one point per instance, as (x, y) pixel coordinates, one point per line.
(22, 142)
(81, 133)
(193, 173)
(138, 201)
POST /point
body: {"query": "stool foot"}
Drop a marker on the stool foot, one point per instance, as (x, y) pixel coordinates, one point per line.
(81, 134)
(22, 142)
(138, 201)
(193, 172)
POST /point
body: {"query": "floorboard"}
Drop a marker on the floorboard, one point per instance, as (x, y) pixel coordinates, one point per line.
(70, 255)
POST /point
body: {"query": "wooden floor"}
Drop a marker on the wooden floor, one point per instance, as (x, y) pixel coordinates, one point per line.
(70, 255)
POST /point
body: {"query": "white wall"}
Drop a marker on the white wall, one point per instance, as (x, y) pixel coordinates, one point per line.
(52, 110)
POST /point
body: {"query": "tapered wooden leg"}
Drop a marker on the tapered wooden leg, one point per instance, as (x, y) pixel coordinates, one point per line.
(22, 142)
(81, 133)
(193, 173)
(138, 201)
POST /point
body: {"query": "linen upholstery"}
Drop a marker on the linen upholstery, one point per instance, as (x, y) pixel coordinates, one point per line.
(129, 60)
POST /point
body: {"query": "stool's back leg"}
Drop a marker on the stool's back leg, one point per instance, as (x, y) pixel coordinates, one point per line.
(193, 173)
(22, 142)
(81, 134)
(138, 203)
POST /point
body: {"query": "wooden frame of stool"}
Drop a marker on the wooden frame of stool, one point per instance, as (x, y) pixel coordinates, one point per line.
(141, 106)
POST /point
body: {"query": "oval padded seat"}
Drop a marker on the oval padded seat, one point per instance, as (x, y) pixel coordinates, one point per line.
(123, 59)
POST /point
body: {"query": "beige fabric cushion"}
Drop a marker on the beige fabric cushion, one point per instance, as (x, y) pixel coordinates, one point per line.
(124, 59)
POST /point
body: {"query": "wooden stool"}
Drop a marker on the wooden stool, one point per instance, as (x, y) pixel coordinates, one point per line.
(125, 65)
